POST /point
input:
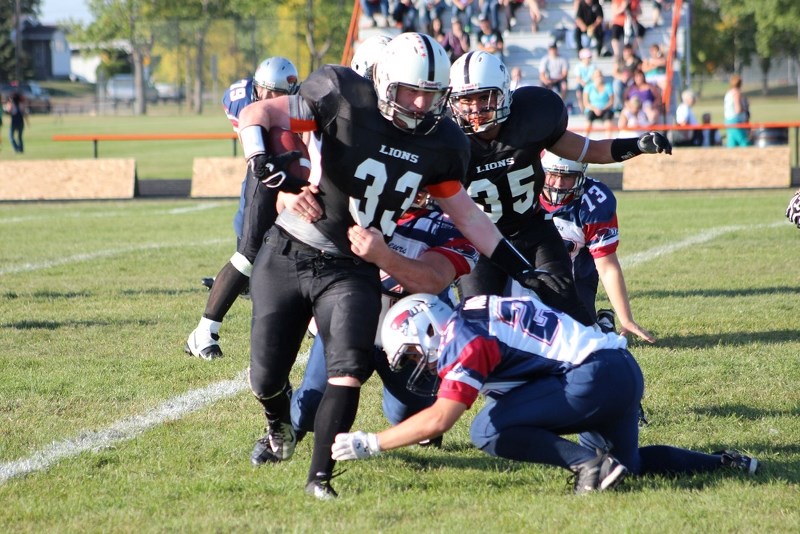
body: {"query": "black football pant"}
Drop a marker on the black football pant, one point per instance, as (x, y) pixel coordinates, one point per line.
(544, 248)
(291, 282)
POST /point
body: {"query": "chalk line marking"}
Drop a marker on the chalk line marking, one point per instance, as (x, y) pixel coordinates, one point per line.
(28, 267)
(638, 258)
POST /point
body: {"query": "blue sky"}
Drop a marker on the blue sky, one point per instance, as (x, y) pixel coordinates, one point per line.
(56, 10)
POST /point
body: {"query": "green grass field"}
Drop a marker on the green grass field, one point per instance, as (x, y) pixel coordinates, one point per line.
(106, 426)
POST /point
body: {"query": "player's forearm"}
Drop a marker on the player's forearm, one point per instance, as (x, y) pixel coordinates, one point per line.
(431, 273)
(430, 423)
(610, 272)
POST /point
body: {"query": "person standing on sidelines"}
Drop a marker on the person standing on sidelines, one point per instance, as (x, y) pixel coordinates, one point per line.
(505, 175)
(380, 144)
(585, 212)
(544, 375)
(275, 76)
(17, 110)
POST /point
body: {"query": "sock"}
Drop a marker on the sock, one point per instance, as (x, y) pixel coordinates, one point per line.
(337, 412)
(227, 286)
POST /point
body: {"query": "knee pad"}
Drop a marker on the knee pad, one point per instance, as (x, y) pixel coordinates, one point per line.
(242, 264)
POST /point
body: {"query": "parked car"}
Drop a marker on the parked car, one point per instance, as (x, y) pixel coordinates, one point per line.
(119, 88)
(36, 98)
(169, 92)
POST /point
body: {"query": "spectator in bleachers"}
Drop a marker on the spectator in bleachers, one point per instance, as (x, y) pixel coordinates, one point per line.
(660, 7)
(598, 102)
(370, 8)
(489, 39)
(437, 32)
(589, 22)
(625, 25)
(623, 74)
(554, 71)
(684, 116)
(490, 10)
(535, 10)
(648, 94)
(430, 10)
(517, 79)
(405, 16)
(655, 66)
(464, 10)
(632, 117)
(583, 74)
(456, 40)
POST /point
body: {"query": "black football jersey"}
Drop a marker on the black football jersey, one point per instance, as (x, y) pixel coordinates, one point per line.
(372, 170)
(505, 176)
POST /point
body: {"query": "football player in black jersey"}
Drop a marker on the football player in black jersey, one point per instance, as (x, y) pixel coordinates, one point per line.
(505, 175)
(379, 143)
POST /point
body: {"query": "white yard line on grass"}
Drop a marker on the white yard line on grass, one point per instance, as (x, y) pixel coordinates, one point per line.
(638, 258)
(116, 213)
(27, 267)
(125, 429)
(192, 401)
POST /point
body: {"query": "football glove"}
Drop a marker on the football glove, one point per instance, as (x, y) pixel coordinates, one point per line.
(270, 169)
(542, 282)
(793, 210)
(355, 446)
(654, 143)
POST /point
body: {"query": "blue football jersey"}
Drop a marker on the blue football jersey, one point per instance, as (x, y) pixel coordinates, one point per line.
(493, 344)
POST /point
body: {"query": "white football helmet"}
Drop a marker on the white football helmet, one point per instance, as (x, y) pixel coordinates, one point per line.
(416, 61)
(479, 72)
(553, 164)
(276, 74)
(411, 332)
(367, 54)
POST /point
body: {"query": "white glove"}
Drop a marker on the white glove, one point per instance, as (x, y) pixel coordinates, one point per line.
(355, 446)
(793, 210)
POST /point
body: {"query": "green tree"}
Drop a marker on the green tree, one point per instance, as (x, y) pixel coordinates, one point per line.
(126, 20)
(8, 46)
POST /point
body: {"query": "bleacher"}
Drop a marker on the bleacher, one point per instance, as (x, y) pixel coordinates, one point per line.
(525, 49)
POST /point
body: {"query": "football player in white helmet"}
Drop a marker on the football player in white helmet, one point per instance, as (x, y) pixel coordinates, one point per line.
(505, 176)
(373, 161)
(411, 79)
(585, 212)
(275, 76)
(367, 54)
(544, 375)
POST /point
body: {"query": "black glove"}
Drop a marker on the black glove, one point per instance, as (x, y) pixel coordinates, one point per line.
(270, 170)
(543, 283)
(654, 143)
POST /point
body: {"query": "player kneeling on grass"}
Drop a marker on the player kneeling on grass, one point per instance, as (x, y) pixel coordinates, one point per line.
(544, 375)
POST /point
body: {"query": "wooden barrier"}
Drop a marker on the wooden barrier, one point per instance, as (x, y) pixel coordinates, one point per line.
(710, 168)
(217, 177)
(70, 179)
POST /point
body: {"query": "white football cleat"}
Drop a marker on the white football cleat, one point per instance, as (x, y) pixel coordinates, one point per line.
(203, 344)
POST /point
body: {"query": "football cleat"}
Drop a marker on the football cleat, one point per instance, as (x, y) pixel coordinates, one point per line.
(605, 319)
(736, 460)
(203, 344)
(277, 445)
(601, 473)
(321, 489)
